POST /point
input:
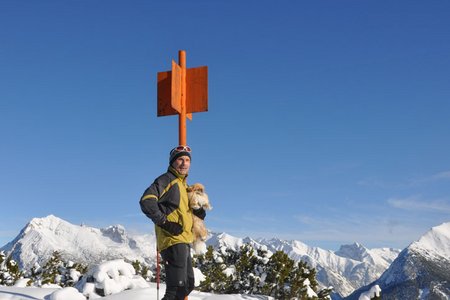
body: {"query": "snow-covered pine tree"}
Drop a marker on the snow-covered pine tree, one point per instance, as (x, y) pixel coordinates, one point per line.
(3, 268)
(57, 271)
(244, 279)
(34, 274)
(252, 271)
(303, 281)
(142, 270)
(2, 257)
(9, 270)
(51, 270)
(212, 266)
(278, 271)
(287, 280)
(325, 293)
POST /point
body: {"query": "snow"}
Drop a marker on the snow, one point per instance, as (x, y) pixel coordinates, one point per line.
(198, 277)
(67, 293)
(229, 271)
(16, 293)
(118, 281)
(225, 241)
(21, 282)
(374, 291)
(435, 242)
(111, 277)
(423, 293)
(309, 291)
(25, 293)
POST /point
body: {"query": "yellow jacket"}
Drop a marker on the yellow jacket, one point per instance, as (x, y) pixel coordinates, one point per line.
(166, 199)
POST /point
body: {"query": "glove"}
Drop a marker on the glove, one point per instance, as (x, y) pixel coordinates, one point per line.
(200, 213)
(172, 228)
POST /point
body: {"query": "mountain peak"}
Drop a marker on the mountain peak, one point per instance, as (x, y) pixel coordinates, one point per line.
(116, 233)
(225, 240)
(354, 251)
(42, 236)
(435, 242)
(420, 271)
(45, 221)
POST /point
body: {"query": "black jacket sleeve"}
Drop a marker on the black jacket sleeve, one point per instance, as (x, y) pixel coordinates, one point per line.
(149, 202)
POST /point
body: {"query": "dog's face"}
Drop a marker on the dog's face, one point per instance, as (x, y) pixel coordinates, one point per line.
(196, 187)
(197, 196)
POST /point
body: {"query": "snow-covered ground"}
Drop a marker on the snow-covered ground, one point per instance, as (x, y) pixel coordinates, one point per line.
(115, 279)
(24, 293)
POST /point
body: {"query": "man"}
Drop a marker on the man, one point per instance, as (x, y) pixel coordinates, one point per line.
(166, 203)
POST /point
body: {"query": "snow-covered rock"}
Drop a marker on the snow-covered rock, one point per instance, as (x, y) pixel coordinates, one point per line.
(108, 278)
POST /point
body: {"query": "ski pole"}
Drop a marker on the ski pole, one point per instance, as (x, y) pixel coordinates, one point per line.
(157, 273)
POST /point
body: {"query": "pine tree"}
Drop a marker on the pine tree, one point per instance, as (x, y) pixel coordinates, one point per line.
(9, 270)
(3, 268)
(278, 271)
(57, 271)
(50, 273)
(252, 271)
(144, 271)
(286, 279)
(246, 277)
(34, 274)
(325, 293)
(212, 266)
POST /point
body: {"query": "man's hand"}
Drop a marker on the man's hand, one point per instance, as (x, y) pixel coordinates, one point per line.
(200, 213)
(172, 228)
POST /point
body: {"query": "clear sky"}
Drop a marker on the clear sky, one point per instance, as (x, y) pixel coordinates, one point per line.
(328, 121)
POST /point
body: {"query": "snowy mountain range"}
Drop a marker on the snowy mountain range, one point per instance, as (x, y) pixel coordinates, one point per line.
(350, 268)
(41, 236)
(421, 271)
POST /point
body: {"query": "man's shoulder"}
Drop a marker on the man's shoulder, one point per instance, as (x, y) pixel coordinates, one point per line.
(165, 179)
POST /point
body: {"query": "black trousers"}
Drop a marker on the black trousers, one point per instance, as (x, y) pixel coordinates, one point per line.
(179, 272)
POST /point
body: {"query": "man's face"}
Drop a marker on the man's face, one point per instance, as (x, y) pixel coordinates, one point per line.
(182, 164)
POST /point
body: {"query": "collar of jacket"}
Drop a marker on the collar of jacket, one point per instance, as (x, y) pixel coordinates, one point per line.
(175, 172)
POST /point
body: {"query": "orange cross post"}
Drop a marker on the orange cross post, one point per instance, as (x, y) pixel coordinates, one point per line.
(181, 92)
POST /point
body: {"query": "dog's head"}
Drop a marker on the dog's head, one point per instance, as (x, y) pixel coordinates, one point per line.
(197, 196)
(196, 187)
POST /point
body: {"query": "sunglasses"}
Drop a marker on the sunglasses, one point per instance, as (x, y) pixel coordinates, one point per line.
(181, 149)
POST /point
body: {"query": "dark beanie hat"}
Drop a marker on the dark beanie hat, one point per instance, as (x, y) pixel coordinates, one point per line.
(178, 152)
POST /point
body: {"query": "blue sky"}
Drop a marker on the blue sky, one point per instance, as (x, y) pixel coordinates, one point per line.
(328, 121)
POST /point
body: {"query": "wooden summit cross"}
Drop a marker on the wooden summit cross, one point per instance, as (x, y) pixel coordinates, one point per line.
(182, 92)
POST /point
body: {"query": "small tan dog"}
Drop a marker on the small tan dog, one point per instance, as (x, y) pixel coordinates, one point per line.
(198, 199)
